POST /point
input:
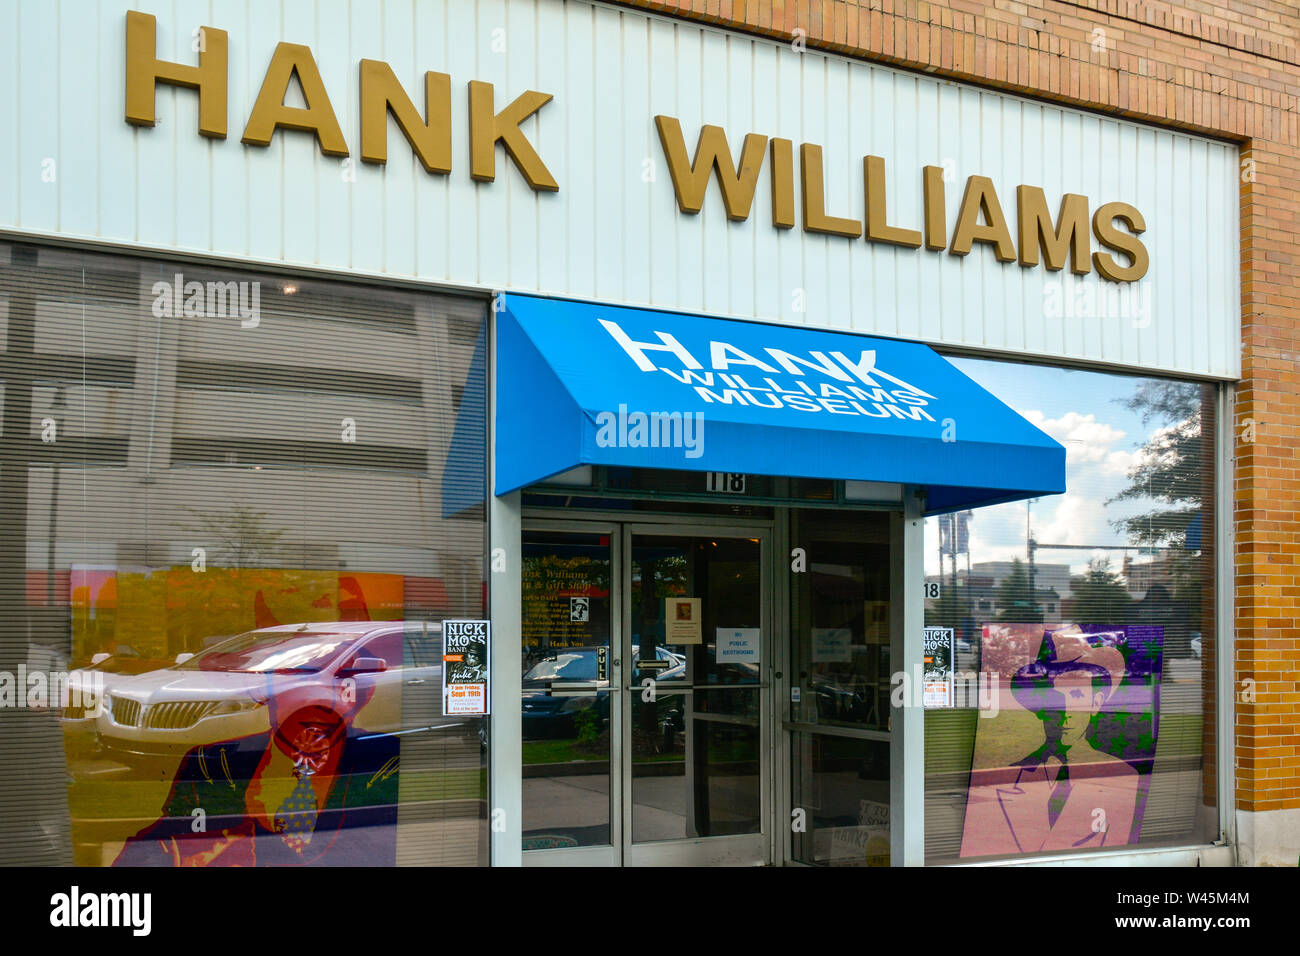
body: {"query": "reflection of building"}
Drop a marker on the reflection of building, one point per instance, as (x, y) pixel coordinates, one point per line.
(1141, 576)
(1054, 577)
(298, 463)
(209, 453)
(1051, 587)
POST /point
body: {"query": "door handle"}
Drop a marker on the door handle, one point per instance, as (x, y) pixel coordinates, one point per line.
(417, 680)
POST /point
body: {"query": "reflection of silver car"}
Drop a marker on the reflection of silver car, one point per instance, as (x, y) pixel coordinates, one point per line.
(550, 704)
(391, 671)
(88, 687)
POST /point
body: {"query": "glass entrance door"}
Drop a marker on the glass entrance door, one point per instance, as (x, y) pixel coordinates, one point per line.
(571, 711)
(696, 739)
(646, 694)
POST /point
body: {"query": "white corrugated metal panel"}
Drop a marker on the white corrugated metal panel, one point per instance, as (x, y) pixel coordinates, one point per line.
(73, 166)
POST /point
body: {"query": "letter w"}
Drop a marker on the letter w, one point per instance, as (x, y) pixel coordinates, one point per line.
(691, 179)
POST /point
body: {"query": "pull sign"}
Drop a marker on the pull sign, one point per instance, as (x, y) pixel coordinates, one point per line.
(725, 482)
(602, 663)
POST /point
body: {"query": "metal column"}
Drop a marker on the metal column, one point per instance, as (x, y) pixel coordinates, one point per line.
(907, 723)
(505, 527)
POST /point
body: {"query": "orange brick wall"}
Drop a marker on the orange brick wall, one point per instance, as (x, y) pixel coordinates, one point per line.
(1227, 69)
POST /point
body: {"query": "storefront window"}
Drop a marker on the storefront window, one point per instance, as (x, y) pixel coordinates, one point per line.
(1082, 627)
(235, 510)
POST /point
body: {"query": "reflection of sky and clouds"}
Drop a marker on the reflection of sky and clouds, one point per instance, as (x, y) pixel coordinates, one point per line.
(1085, 412)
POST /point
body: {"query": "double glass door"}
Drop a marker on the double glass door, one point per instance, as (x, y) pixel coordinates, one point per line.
(646, 694)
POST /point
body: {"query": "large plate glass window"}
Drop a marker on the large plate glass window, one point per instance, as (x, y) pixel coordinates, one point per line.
(235, 509)
(1083, 628)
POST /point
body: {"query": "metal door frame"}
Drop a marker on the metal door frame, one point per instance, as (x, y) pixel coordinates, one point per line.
(728, 850)
(611, 855)
(756, 848)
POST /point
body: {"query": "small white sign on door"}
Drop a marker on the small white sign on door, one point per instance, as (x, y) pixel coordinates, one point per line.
(831, 645)
(738, 645)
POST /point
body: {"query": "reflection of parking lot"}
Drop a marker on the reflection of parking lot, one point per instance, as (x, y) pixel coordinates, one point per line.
(575, 806)
(659, 811)
(659, 806)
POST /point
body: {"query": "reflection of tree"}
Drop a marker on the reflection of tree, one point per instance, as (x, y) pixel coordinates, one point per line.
(222, 601)
(1015, 599)
(1100, 597)
(240, 535)
(1169, 468)
(658, 578)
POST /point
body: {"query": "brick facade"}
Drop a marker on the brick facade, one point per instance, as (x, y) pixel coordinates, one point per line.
(1225, 69)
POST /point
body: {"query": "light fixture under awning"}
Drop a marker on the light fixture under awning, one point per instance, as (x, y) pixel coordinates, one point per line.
(582, 384)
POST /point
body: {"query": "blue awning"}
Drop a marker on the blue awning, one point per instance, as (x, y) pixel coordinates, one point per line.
(582, 384)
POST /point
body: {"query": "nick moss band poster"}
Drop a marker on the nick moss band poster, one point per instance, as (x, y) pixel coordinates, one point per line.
(1065, 760)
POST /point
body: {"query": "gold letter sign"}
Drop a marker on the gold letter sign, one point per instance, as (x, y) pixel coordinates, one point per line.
(380, 93)
(144, 71)
(1055, 245)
